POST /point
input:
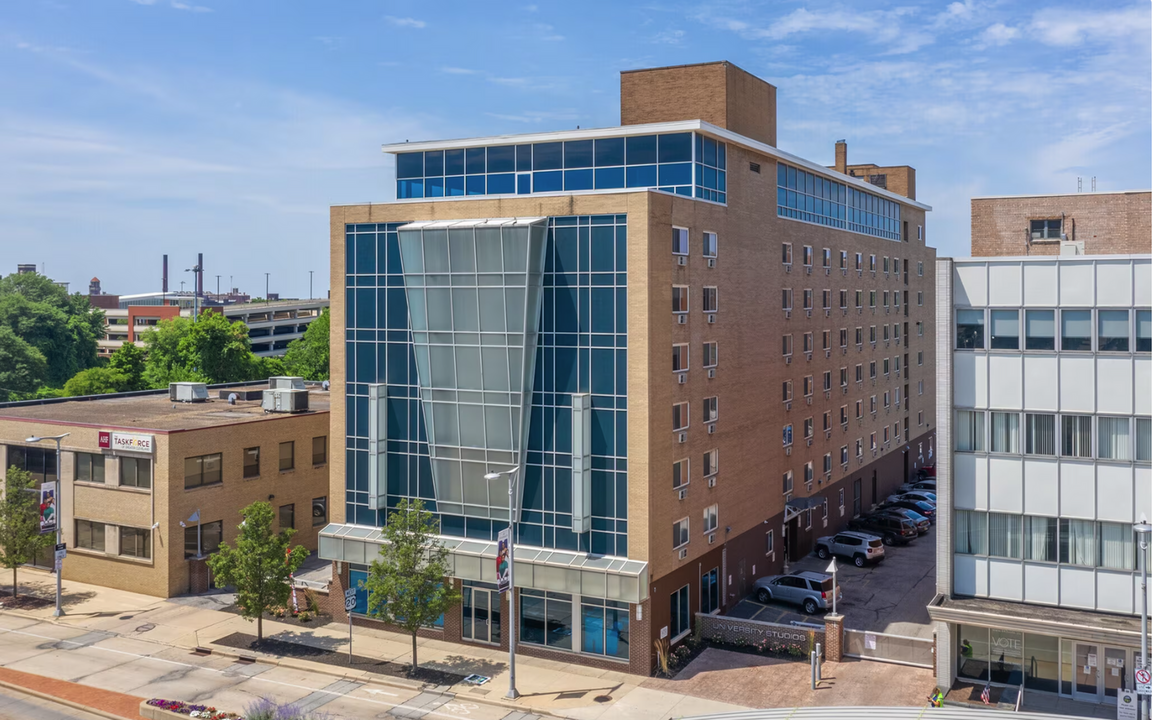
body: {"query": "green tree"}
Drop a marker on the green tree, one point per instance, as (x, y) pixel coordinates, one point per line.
(259, 565)
(165, 362)
(96, 381)
(63, 328)
(22, 367)
(20, 537)
(308, 356)
(129, 360)
(218, 349)
(406, 582)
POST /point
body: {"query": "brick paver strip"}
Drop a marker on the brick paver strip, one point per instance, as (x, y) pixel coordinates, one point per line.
(119, 704)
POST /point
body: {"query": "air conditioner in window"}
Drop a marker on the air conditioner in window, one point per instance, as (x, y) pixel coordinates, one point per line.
(827, 394)
(828, 353)
(788, 267)
(808, 399)
(788, 359)
(712, 372)
(842, 511)
(828, 434)
(712, 537)
(682, 437)
(826, 271)
(684, 553)
(682, 319)
(808, 357)
(844, 271)
(808, 269)
(682, 260)
(828, 312)
(713, 481)
(712, 262)
(789, 450)
(712, 429)
(808, 312)
(844, 350)
(844, 390)
(712, 318)
(681, 377)
(682, 494)
(808, 442)
(788, 314)
(824, 522)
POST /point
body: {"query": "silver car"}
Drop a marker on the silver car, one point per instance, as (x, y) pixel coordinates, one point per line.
(812, 591)
(861, 548)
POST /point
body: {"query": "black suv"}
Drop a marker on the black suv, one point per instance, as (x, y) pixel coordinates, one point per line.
(892, 530)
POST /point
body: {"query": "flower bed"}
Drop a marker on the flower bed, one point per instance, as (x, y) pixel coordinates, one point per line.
(778, 648)
(201, 712)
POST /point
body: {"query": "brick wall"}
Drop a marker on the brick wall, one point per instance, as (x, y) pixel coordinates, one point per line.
(1108, 223)
(834, 637)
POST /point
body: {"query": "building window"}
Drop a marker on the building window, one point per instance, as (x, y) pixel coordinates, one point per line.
(1144, 331)
(679, 613)
(768, 542)
(841, 498)
(710, 461)
(873, 334)
(1076, 330)
(1078, 542)
(709, 352)
(826, 258)
(90, 535)
(807, 298)
(787, 482)
(920, 358)
(808, 472)
(970, 431)
(1039, 435)
(808, 428)
(287, 455)
(680, 299)
(826, 300)
(844, 261)
(319, 511)
(787, 391)
(1113, 331)
(786, 299)
(970, 536)
(786, 345)
(211, 535)
(844, 299)
(1113, 438)
(680, 473)
(680, 533)
(920, 329)
(807, 255)
(709, 244)
(1144, 429)
(828, 381)
(709, 300)
(844, 461)
(860, 336)
(287, 516)
(135, 472)
(1004, 330)
(89, 468)
(970, 329)
(1045, 229)
(920, 418)
(787, 253)
(859, 299)
(787, 435)
(827, 463)
(857, 494)
(710, 518)
(202, 470)
(1005, 535)
(844, 414)
(680, 416)
(680, 358)
(807, 384)
(1039, 330)
(920, 387)
(1117, 549)
(604, 627)
(546, 618)
(252, 462)
(1040, 538)
(860, 409)
(859, 262)
(1005, 432)
(1077, 436)
(680, 241)
(136, 543)
(844, 337)
(710, 410)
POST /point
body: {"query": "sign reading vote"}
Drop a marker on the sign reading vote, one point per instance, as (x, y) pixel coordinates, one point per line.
(125, 441)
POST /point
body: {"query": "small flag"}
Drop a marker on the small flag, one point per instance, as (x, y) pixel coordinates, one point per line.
(195, 516)
(985, 695)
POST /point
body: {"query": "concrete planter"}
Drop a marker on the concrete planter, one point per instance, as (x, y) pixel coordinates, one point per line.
(151, 712)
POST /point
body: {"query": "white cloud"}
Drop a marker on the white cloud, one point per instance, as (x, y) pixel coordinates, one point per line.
(190, 8)
(999, 34)
(1064, 28)
(459, 71)
(405, 22)
(536, 117)
(882, 27)
(958, 12)
(669, 37)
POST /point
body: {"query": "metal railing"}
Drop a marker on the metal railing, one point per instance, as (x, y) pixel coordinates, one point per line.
(899, 649)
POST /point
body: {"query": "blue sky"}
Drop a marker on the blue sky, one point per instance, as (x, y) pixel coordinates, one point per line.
(133, 128)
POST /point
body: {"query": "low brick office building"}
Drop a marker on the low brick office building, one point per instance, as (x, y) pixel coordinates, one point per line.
(1099, 223)
(699, 351)
(135, 465)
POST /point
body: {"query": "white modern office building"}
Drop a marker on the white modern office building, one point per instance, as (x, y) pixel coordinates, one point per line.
(1043, 407)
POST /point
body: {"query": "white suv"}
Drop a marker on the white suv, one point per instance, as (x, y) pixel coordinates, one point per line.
(860, 547)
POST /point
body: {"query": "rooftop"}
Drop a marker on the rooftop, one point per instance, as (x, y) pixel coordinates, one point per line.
(153, 411)
(1073, 194)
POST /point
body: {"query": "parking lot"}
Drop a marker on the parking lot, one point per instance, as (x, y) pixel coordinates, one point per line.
(889, 597)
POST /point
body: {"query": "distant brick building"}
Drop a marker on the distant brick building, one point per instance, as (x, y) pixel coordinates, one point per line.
(1108, 223)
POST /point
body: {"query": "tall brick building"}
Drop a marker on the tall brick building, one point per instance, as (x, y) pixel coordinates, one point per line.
(699, 353)
(1099, 223)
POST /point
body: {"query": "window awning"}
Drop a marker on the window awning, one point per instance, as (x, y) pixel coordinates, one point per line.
(599, 576)
(796, 506)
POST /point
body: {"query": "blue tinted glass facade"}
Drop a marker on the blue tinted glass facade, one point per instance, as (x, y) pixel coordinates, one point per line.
(687, 164)
(582, 349)
(802, 195)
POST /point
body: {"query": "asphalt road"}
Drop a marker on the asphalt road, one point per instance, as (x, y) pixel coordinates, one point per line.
(890, 597)
(18, 706)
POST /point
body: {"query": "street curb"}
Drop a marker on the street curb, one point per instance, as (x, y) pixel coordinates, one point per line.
(60, 701)
(319, 668)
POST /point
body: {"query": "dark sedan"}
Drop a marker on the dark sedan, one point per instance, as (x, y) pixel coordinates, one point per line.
(921, 508)
(919, 521)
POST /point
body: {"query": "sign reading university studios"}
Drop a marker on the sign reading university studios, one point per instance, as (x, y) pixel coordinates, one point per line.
(126, 442)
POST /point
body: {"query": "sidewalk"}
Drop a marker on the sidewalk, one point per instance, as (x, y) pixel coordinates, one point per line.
(546, 687)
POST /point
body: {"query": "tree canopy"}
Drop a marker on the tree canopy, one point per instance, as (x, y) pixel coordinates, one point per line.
(308, 356)
(20, 537)
(63, 327)
(209, 349)
(129, 360)
(22, 367)
(96, 381)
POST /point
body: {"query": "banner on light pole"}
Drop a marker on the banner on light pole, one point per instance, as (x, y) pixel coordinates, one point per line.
(503, 566)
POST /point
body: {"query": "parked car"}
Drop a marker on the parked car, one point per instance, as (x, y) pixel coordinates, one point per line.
(812, 591)
(892, 529)
(919, 521)
(922, 496)
(919, 486)
(921, 508)
(861, 547)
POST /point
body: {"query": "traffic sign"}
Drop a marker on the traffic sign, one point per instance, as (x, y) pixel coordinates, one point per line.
(349, 599)
(1126, 705)
(61, 551)
(1143, 678)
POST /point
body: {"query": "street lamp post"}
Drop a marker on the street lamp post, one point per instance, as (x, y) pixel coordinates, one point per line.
(266, 287)
(512, 691)
(195, 270)
(1143, 529)
(310, 284)
(59, 522)
(833, 569)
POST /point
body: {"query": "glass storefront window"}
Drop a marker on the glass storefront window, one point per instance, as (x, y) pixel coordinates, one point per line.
(604, 627)
(1005, 649)
(1042, 668)
(973, 652)
(546, 618)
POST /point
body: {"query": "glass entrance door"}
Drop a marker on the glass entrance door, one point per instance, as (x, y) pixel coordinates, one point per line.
(1115, 673)
(1086, 671)
(480, 614)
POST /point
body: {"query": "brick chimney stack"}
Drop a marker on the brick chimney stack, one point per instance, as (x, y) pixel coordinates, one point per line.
(842, 161)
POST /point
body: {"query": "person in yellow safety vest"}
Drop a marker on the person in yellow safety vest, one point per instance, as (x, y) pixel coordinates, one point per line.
(937, 698)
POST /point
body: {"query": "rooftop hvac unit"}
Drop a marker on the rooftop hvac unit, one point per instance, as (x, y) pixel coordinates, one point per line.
(187, 392)
(285, 382)
(285, 401)
(1073, 247)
